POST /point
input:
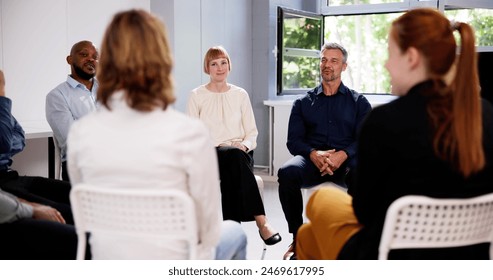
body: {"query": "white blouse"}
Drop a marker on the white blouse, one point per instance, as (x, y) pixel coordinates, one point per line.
(228, 115)
(125, 148)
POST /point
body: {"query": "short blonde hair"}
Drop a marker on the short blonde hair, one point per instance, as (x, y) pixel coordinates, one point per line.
(136, 58)
(215, 53)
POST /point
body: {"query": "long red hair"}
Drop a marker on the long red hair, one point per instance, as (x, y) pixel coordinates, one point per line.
(455, 109)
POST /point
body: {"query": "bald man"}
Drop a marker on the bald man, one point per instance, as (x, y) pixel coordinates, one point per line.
(75, 97)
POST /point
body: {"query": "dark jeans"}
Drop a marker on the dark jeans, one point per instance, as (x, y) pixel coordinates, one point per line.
(51, 192)
(30, 239)
(65, 176)
(297, 173)
(38, 239)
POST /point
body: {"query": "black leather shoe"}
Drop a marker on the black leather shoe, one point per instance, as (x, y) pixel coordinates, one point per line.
(274, 239)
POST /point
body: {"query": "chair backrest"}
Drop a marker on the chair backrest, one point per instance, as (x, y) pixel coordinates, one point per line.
(167, 215)
(423, 222)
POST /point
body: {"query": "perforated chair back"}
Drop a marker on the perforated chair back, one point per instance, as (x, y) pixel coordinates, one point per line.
(424, 222)
(167, 215)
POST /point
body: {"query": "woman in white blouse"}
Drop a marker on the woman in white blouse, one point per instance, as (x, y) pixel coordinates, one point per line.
(226, 111)
(136, 140)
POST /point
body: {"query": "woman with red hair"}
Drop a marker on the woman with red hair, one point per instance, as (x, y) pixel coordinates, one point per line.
(435, 140)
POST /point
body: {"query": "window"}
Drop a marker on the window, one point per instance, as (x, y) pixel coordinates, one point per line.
(361, 26)
(356, 2)
(480, 19)
(365, 39)
(300, 38)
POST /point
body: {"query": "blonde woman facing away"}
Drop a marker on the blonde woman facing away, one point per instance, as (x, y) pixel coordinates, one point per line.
(136, 140)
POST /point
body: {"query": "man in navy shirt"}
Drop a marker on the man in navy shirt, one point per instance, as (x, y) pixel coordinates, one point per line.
(322, 137)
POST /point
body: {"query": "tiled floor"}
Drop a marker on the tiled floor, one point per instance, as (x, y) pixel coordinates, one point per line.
(276, 219)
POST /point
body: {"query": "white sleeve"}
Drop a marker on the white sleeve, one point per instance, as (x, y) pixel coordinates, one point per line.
(203, 173)
(192, 106)
(248, 122)
(72, 147)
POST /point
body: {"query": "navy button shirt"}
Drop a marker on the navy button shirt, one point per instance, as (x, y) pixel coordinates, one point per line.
(323, 122)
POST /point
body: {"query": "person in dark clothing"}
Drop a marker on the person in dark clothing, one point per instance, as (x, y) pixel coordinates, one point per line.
(435, 140)
(35, 216)
(321, 136)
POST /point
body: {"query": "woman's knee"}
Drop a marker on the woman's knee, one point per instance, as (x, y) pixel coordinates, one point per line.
(306, 245)
(328, 205)
(290, 175)
(232, 155)
(233, 241)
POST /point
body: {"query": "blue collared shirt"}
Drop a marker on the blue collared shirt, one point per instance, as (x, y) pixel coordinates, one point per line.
(323, 122)
(12, 139)
(67, 103)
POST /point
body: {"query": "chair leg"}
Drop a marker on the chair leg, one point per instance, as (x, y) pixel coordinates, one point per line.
(264, 250)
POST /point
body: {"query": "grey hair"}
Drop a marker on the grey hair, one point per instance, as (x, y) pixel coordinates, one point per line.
(336, 46)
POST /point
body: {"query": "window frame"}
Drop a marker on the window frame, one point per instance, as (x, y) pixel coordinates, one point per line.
(360, 9)
(293, 52)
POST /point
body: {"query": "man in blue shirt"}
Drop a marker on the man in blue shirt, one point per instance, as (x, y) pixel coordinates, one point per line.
(35, 214)
(322, 132)
(74, 98)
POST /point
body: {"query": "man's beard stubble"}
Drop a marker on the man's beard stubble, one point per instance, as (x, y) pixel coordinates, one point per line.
(82, 74)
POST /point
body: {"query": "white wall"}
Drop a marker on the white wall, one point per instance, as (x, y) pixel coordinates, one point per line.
(196, 25)
(36, 37)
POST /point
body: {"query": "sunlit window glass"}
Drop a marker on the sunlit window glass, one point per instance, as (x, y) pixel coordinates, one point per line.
(365, 38)
(480, 19)
(298, 55)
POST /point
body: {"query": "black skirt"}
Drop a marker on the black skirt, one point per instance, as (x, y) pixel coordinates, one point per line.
(240, 196)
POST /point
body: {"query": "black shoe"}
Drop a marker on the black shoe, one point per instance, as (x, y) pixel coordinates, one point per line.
(274, 239)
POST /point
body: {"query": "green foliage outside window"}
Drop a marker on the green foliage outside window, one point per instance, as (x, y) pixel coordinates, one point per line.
(365, 38)
(480, 19)
(300, 71)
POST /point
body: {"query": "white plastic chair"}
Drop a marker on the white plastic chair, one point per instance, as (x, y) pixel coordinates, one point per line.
(423, 222)
(162, 215)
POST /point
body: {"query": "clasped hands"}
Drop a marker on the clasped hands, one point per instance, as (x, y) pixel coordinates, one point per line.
(328, 161)
(236, 144)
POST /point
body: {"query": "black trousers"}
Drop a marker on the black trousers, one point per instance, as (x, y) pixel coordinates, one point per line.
(297, 173)
(30, 239)
(51, 192)
(240, 196)
(65, 176)
(38, 239)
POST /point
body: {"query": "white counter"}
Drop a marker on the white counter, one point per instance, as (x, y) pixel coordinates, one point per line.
(37, 157)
